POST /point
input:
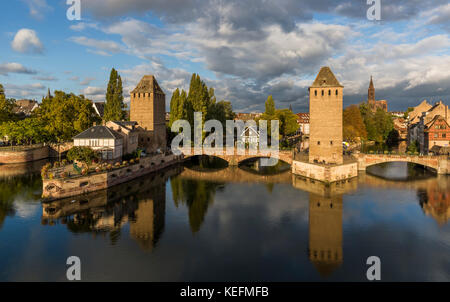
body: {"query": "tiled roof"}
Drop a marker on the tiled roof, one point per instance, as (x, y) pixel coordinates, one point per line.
(303, 117)
(148, 83)
(98, 132)
(326, 78)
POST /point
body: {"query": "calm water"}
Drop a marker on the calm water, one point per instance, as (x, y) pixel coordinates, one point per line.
(197, 223)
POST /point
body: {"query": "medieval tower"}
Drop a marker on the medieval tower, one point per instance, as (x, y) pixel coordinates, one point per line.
(148, 109)
(325, 108)
(371, 93)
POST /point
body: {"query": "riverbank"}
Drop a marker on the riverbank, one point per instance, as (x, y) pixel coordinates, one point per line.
(58, 188)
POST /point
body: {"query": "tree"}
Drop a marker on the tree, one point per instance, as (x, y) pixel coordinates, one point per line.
(288, 121)
(114, 106)
(378, 124)
(413, 147)
(6, 107)
(270, 106)
(65, 115)
(174, 107)
(82, 154)
(354, 127)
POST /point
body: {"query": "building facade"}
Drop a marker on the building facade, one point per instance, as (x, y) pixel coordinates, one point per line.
(326, 109)
(437, 133)
(303, 122)
(148, 109)
(102, 139)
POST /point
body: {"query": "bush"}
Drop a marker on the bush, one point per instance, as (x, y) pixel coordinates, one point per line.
(131, 161)
(124, 163)
(117, 164)
(97, 169)
(64, 162)
(64, 174)
(84, 171)
(82, 154)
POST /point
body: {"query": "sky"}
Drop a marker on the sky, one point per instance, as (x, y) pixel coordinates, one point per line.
(245, 50)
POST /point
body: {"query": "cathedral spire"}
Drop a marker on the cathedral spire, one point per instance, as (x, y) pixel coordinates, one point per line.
(371, 94)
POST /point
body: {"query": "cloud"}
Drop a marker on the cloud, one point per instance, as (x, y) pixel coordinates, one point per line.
(38, 8)
(7, 68)
(35, 90)
(94, 93)
(45, 78)
(86, 81)
(27, 41)
(102, 46)
(80, 26)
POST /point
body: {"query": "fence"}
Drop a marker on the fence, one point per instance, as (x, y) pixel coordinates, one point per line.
(21, 147)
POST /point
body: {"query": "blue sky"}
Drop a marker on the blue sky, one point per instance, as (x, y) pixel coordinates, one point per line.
(246, 50)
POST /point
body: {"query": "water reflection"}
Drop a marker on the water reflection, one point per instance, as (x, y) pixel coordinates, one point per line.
(204, 224)
(254, 165)
(140, 203)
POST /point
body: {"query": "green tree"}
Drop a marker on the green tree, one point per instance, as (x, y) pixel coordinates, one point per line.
(270, 106)
(269, 114)
(354, 127)
(288, 122)
(114, 106)
(6, 107)
(175, 114)
(378, 124)
(82, 154)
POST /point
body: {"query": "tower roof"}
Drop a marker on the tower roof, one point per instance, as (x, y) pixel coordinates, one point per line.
(326, 78)
(148, 83)
(371, 83)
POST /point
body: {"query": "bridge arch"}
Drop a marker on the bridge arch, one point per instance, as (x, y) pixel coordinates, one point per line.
(368, 160)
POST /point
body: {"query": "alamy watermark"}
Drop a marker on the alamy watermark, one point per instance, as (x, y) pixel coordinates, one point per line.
(374, 271)
(73, 273)
(374, 11)
(74, 11)
(235, 138)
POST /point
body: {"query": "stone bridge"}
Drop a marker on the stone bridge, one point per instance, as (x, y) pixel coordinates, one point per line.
(235, 158)
(439, 163)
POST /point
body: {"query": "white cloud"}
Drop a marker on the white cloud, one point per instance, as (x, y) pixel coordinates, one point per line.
(27, 41)
(38, 8)
(103, 46)
(94, 93)
(34, 90)
(12, 67)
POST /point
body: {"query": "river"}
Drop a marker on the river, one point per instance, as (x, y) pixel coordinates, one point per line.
(208, 222)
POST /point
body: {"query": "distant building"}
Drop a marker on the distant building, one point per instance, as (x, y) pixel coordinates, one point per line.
(303, 122)
(397, 113)
(401, 125)
(247, 116)
(374, 105)
(326, 110)
(102, 139)
(167, 117)
(436, 133)
(416, 113)
(419, 124)
(25, 107)
(99, 108)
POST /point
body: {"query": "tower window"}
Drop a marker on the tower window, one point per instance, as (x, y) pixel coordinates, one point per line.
(337, 92)
(323, 93)
(315, 92)
(331, 142)
(318, 142)
(329, 92)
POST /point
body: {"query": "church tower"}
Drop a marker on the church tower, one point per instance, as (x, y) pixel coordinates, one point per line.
(325, 108)
(148, 109)
(371, 94)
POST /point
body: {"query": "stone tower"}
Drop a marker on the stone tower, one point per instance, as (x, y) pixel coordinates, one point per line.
(325, 108)
(325, 232)
(148, 109)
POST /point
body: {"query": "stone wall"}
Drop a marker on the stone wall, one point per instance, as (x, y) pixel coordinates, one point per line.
(61, 188)
(14, 157)
(325, 173)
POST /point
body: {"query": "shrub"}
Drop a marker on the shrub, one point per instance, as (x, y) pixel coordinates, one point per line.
(124, 163)
(131, 161)
(109, 167)
(82, 154)
(64, 162)
(56, 164)
(117, 164)
(84, 171)
(50, 175)
(97, 169)
(64, 174)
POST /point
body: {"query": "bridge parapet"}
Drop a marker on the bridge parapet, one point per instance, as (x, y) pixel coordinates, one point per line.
(239, 155)
(439, 163)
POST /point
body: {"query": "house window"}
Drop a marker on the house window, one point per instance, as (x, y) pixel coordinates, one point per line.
(436, 135)
(444, 135)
